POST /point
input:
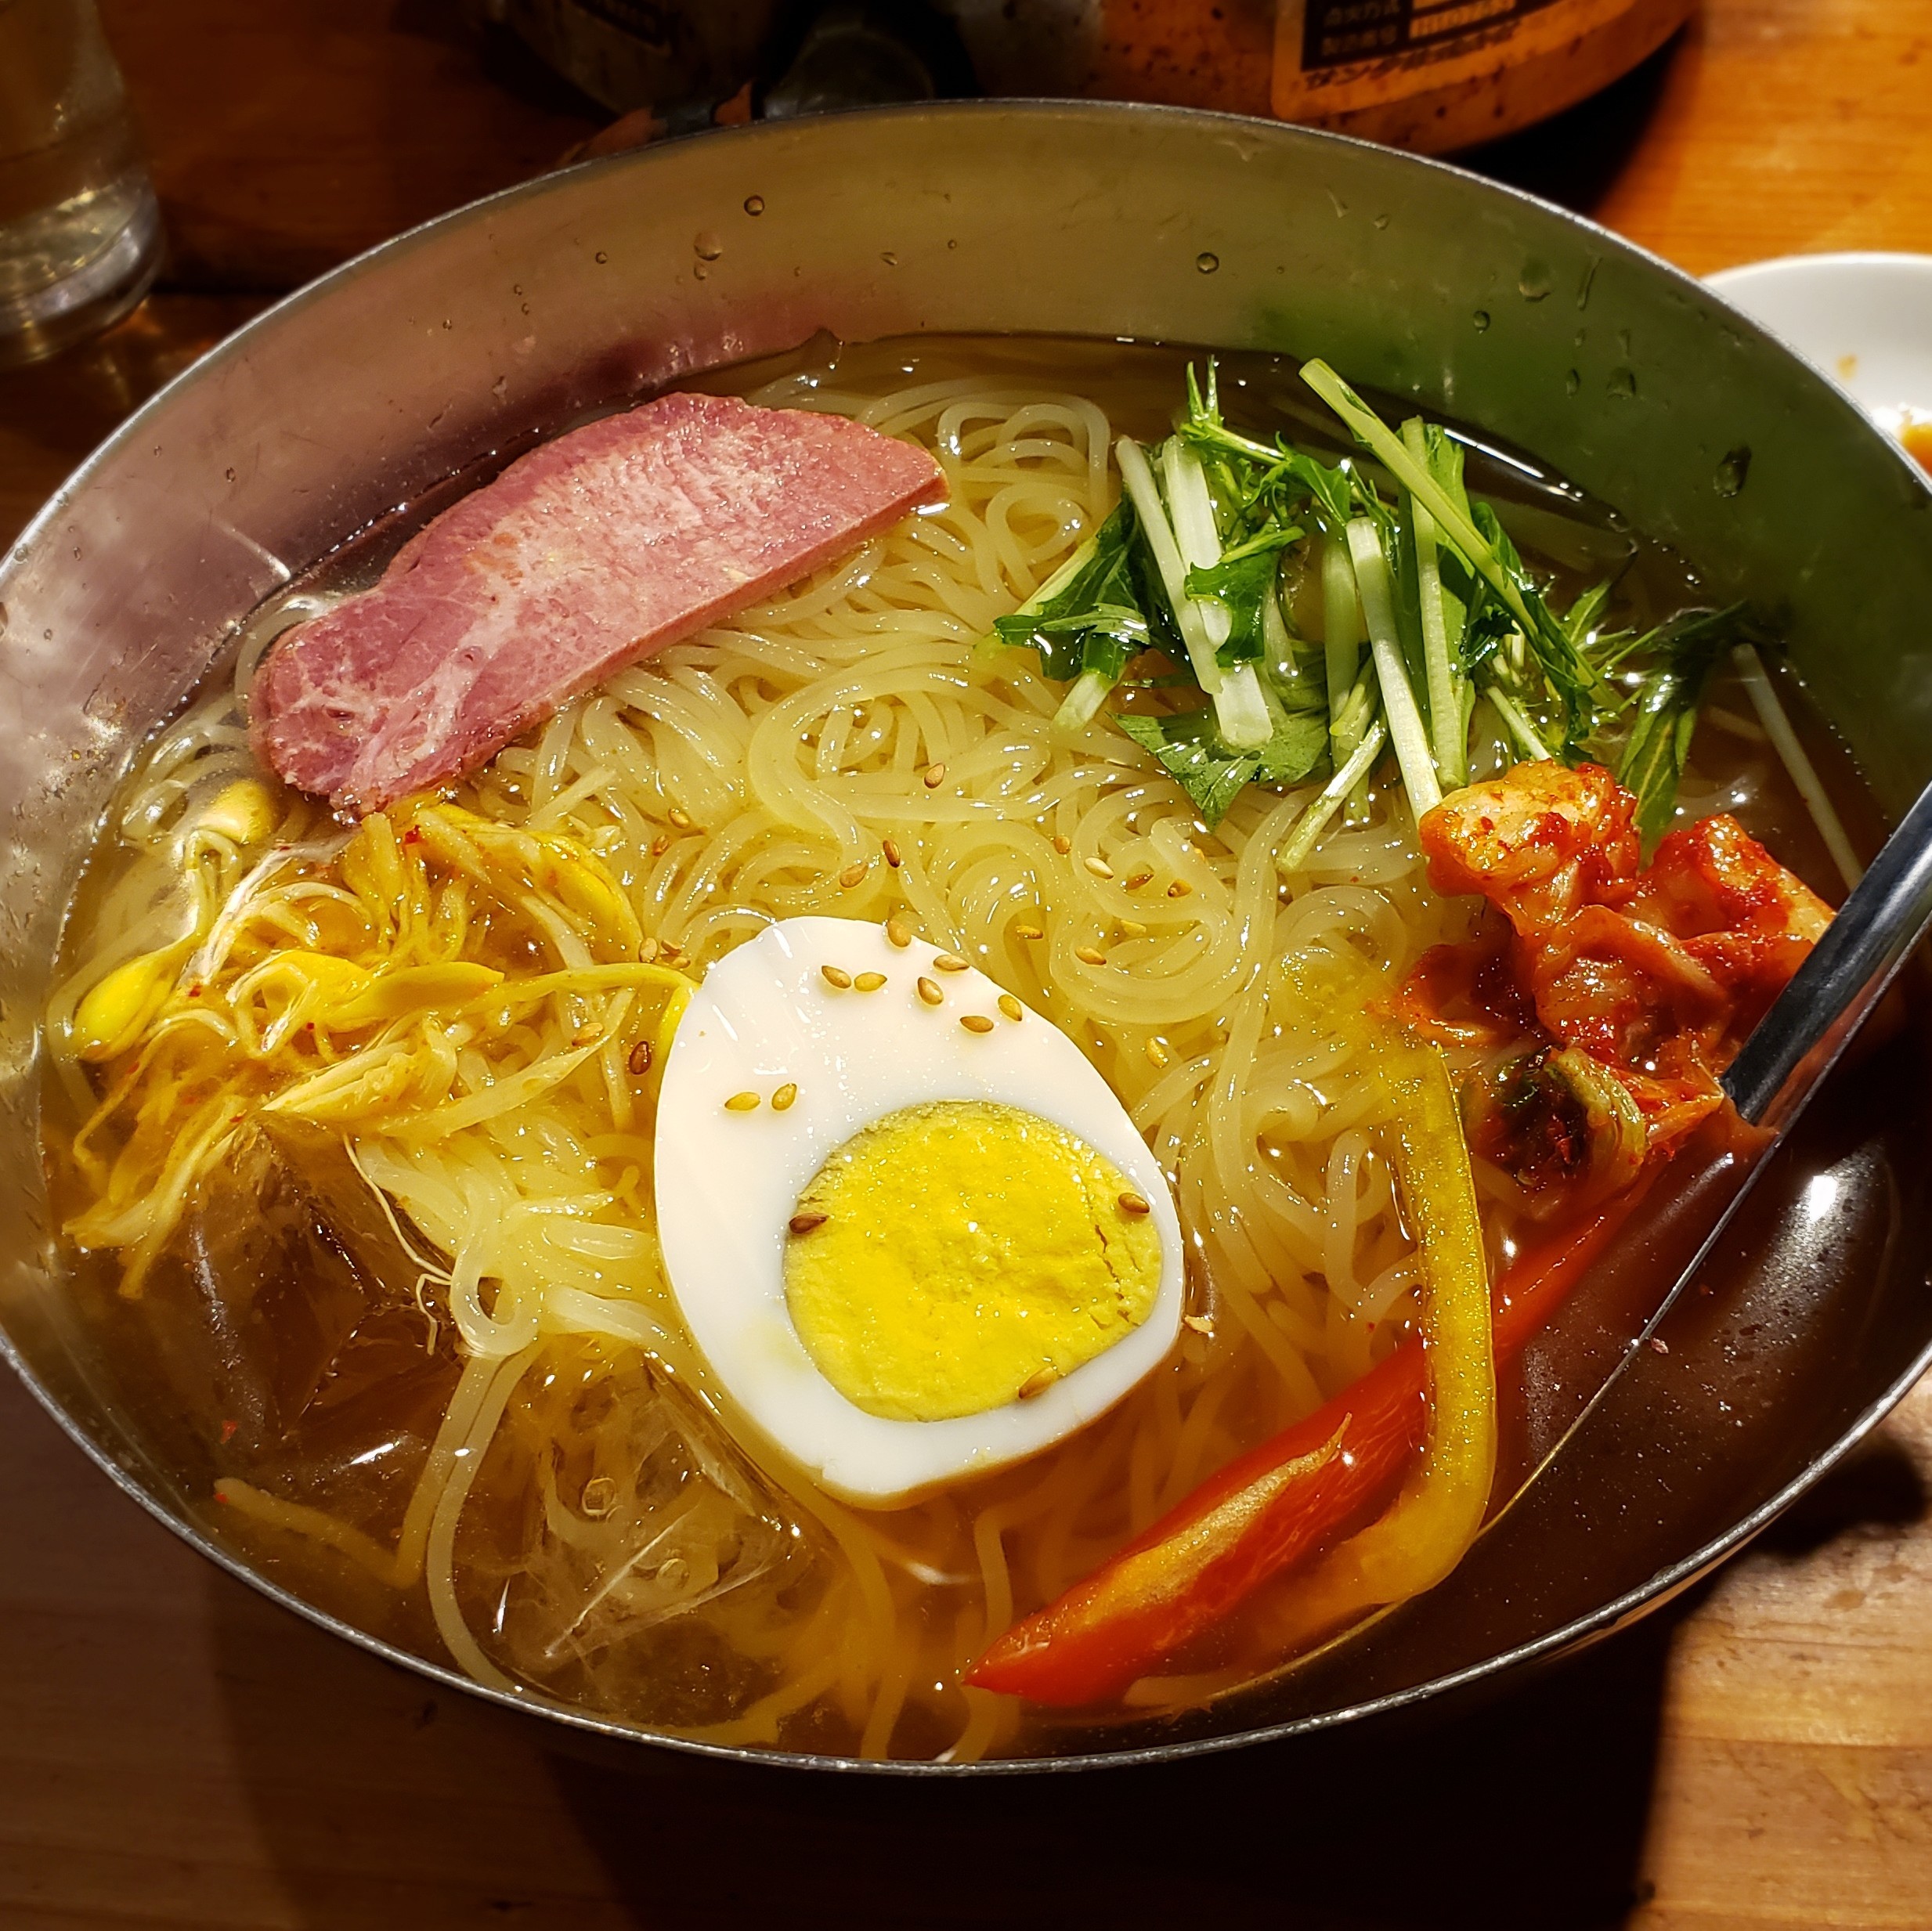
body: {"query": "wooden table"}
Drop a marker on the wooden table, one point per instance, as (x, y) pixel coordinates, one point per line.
(175, 1751)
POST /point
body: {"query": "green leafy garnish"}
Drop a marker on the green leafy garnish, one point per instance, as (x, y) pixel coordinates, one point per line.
(1666, 710)
(1095, 590)
(1425, 606)
(1478, 535)
(1211, 773)
(1243, 581)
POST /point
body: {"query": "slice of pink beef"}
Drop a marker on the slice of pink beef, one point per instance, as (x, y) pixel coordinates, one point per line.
(588, 552)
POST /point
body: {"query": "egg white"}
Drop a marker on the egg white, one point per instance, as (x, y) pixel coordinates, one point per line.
(726, 1183)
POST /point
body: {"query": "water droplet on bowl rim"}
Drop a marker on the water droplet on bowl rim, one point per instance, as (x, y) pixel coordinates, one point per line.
(1481, 318)
(754, 204)
(1734, 471)
(706, 246)
(1207, 262)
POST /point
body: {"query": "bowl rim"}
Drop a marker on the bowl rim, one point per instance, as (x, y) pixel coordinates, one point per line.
(1579, 1631)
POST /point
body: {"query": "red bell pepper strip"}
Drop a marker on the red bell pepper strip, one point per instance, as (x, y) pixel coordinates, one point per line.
(1269, 1509)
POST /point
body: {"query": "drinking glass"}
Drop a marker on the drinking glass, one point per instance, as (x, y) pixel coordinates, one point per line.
(80, 233)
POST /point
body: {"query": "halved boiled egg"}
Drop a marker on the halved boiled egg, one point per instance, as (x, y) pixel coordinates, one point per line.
(911, 1228)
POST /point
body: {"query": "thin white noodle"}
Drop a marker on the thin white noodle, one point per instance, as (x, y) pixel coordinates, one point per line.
(732, 780)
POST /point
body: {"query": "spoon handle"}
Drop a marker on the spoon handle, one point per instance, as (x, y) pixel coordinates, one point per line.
(1812, 1021)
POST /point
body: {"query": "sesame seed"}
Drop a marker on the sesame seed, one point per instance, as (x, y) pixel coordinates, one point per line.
(1011, 1006)
(949, 962)
(660, 846)
(781, 1099)
(977, 1023)
(852, 875)
(648, 951)
(1136, 880)
(1038, 1384)
(1098, 866)
(673, 955)
(1133, 1203)
(930, 992)
(681, 819)
(1133, 929)
(890, 848)
(805, 1223)
(1157, 1055)
(639, 1059)
(935, 776)
(1179, 889)
(1199, 1323)
(741, 1103)
(897, 931)
(836, 976)
(587, 1035)
(1089, 955)
(1028, 931)
(868, 982)
(1063, 844)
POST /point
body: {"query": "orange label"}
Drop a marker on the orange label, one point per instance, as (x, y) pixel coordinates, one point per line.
(1332, 56)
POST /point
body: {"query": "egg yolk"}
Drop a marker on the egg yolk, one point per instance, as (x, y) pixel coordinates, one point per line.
(958, 1255)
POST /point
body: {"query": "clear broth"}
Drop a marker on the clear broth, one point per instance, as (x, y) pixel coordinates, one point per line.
(281, 1341)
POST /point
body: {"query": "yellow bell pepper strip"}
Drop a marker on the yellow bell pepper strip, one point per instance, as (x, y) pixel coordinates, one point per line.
(1435, 1518)
(1291, 1496)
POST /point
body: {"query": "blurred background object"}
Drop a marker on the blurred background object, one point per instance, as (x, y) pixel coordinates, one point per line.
(1430, 74)
(1865, 318)
(80, 232)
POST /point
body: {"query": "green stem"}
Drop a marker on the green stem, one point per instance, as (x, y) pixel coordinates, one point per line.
(1240, 711)
(1369, 429)
(1315, 819)
(1341, 639)
(1145, 493)
(1399, 705)
(1519, 726)
(1085, 696)
(1446, 729)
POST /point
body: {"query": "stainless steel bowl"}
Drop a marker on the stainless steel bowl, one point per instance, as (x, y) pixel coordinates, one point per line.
(516, 315)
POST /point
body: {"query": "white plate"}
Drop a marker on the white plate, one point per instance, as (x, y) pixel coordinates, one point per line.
(1865, 320)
